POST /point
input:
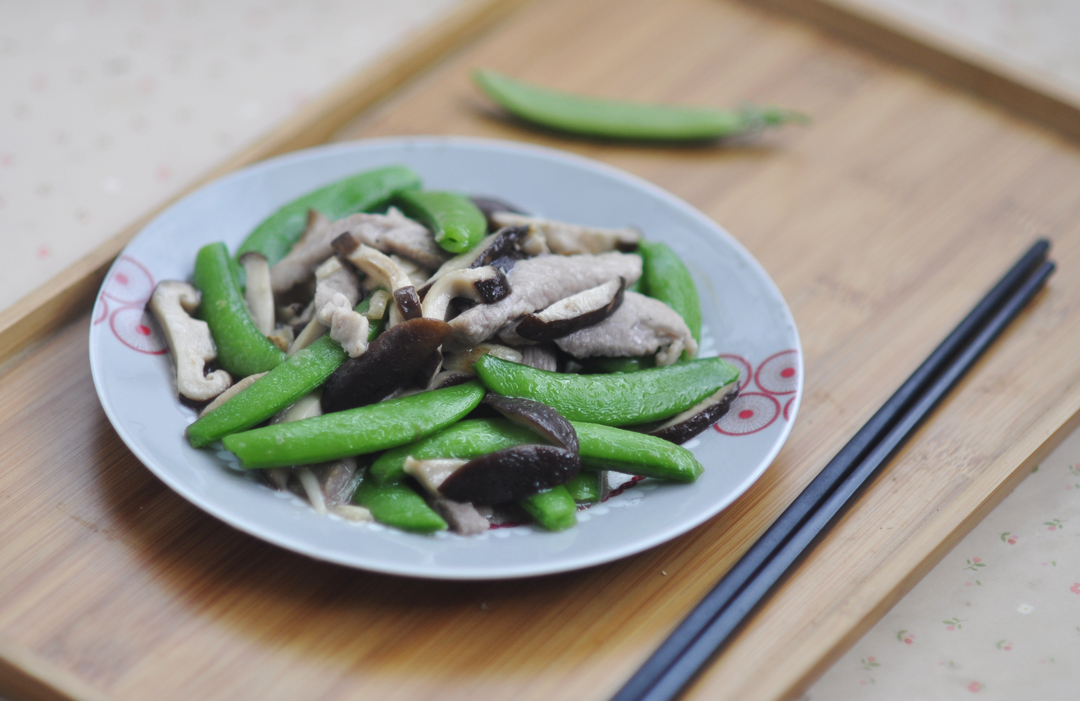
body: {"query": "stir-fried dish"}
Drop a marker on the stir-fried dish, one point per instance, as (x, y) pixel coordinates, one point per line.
(429, 360)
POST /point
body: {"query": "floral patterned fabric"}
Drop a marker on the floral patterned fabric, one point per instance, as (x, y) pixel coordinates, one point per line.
(997, 619)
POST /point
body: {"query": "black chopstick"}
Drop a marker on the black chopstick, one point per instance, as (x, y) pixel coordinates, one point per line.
(701, 635)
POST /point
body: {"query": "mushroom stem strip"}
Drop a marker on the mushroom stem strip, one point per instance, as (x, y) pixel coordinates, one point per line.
(568, 239)
(257, 292)
(189, 340)
(486, 285)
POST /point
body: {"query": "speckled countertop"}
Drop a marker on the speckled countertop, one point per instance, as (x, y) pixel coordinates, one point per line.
(110, 107)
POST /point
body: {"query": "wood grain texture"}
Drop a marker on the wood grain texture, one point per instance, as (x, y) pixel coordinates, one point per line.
(72, 290)
(882, 224)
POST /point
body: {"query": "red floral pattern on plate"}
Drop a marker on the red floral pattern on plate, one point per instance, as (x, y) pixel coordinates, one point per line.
(129, 282)
(751, 412)
(129, 287)
(778, 374)
(746, 370)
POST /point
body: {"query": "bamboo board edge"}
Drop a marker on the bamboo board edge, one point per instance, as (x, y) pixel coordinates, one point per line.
(1026, 92)
(25, 675)
(70, 292)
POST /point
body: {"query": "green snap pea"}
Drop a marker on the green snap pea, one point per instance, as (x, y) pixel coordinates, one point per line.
(615, 400)
(457, 223)
(604, 364)
(366, 429)
(665, 277)
(464, 440)
(602, 447)
(585, 488)
(608, 448)
(553, 510)
(358, 193)
(298, 375)
(618, 119)
(242, 350)
(396, 504)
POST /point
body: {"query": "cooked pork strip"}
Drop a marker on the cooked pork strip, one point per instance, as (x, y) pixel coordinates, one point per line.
(641, 326)
(536, 283)
(333, 278)
(392, 232)
(568, 239)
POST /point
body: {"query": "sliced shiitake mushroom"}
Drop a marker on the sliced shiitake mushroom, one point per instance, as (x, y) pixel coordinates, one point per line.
(573, 313)
(257, 292)
(485, 284)
(449, 378)
(385, 271)
(568, 239)
(684, 426)
(231, 392)
(408, 303)
(391, 361)
(490, 205)
(511, 474)
(463, 361)
(537, 416)
(427, 371)
(505, 243)
(464, 518)
(503, 246)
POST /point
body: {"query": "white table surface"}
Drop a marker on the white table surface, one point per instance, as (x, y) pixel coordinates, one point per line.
(109, 107)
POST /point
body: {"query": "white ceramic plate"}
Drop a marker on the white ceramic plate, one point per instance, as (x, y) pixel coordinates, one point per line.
(745, 318)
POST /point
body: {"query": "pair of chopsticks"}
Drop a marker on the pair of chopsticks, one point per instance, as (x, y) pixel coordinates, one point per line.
(711, 624)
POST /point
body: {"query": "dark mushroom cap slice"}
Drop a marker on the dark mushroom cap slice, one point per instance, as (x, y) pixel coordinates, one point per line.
(490, 205)
(427, 371)
(408, 302)
(537, 416)
(485, 284)
(503, 246)
(511, 474)
(699, 417)
(573, 313)
(449, 378)
(391, 361)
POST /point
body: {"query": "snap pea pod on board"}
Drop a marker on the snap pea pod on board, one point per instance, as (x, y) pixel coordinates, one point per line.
(457, 223)
(358, 193)
(664, 277)
(366, 429)
(615, 400)
(396, 504)
(298, 375)
(619, 119)
(601, 447)
(242, 349)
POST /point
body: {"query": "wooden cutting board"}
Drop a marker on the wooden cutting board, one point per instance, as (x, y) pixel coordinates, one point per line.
(882, 223)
